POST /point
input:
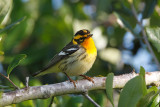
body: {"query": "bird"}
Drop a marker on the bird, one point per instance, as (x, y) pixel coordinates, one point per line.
(75, 59)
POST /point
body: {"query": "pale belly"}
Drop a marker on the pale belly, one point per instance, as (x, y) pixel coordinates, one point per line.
(77, 67)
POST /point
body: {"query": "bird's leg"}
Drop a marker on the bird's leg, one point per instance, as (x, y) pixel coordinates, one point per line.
(71, 80)
(88, 78)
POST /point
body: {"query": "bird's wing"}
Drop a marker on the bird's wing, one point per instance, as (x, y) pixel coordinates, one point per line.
(65, 52)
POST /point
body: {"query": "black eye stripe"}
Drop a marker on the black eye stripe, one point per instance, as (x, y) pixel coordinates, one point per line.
(76, 40)
(80, 40)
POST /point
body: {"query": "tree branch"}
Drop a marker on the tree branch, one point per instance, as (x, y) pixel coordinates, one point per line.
(144, 35)
(16, 87)
(50, 105)
(90, 99)
(46, 91)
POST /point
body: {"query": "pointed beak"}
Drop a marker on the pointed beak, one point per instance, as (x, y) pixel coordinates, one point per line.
(90, 35)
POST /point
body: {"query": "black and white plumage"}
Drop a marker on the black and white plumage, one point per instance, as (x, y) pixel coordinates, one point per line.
(75, 59)
(64, 53)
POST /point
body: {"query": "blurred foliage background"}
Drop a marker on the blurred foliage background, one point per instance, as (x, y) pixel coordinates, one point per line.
(41, 28)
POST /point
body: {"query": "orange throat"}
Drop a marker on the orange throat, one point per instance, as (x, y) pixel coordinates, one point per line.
(89, 45)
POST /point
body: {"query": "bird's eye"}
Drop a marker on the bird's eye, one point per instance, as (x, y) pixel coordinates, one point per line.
(81, 39)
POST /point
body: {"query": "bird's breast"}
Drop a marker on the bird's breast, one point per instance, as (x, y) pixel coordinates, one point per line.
(78, 63)
(89, 45)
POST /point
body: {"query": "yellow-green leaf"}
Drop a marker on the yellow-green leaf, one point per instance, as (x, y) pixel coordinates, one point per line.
(15, 62)
(154, 36)
(144, 102)
(131, 93)
(11, 25)
(109, 89)
(1, 53)
(142, 73)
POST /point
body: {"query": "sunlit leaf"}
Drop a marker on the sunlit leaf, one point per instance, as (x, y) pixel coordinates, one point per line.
(144, 102)
(1, 53)
(109, 89)
(149, 8)
(1, 94)
(124, 23)
(153, 88)
(155, 100)
(15, 62)
(142, 73)
(154, 36)
(5, 9)
(131, 93)
(11, 25)
(28, 103)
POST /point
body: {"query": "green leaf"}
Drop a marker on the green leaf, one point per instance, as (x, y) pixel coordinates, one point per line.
(109, 89)
(154, 36)
(104, 5)
(149, 99)
(125, 23)
(1, 94)
(1, 53)
(5, 10)
(155, 100)
(15, 62)
(99, 98)
(131, 93)
(153, 88)
(142, 73)
(149, 8)
(11, 25)
(74, 101)
(28, 103)
(145, 101)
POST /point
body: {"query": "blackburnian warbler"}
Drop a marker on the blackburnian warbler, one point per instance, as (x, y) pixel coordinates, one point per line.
(75, 59)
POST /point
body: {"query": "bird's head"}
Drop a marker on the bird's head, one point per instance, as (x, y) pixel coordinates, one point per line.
(81, 36)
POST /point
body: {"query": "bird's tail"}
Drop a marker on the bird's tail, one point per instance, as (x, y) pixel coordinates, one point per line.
(44, 71)
(36, 74)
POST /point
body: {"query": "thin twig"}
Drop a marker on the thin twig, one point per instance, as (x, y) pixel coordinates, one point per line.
(50, 105)
(10, 81)
(27, 82)
(90, 99)
(144, 35)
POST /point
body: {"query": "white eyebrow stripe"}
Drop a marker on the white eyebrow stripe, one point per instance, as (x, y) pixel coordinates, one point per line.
(62, 53)
(71, 49)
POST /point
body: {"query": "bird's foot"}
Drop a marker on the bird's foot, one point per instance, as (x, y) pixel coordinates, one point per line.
(74, 83)
(88, 78)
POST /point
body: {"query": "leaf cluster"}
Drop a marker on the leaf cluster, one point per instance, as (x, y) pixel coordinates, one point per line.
(134, 93)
